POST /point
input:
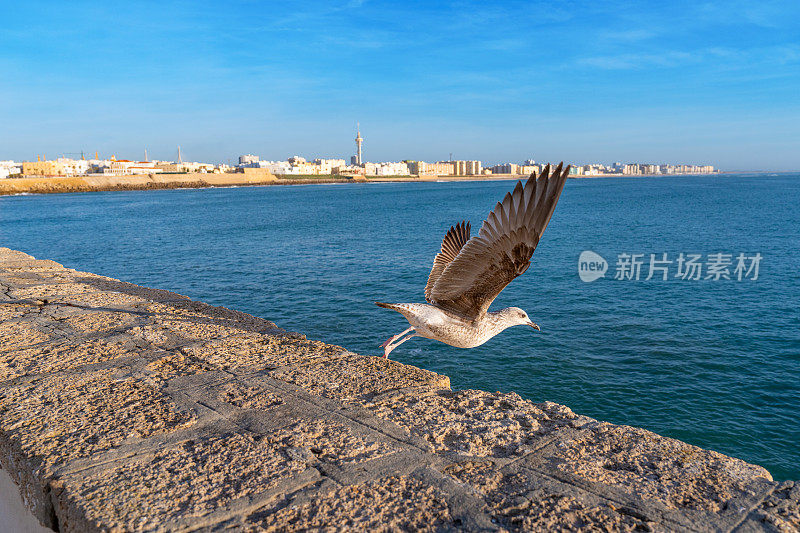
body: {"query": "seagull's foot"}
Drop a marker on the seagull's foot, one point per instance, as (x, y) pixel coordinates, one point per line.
(388, 347)
(388, 341)
(395, 341)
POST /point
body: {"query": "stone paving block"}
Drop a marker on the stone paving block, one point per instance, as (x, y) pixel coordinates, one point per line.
(103, 301)
(248, 397)
(195, 478)
(394, 503)
(91, 321)
(520, 501)
(51, 291)
(21, 333)
(358, 377)
(253, 351)
(653, 467)
(106, 284)
(780, 512)
(62, 417)
(13, 312)
(166, 366)
(31, 265)
(66, 354)
(476, 423)
(185, 482)
(52, 277)
(170, 325)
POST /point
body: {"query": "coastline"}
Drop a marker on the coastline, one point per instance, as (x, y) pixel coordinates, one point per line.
(98, 183)
(131, 409)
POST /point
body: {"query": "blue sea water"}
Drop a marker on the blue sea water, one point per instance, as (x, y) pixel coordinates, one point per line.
(714, 363)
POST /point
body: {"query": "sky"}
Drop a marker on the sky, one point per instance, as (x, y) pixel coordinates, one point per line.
(681, 82)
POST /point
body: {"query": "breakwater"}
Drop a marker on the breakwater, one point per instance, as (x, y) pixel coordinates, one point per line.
(127, 408)
(44, 185)
(94, 183)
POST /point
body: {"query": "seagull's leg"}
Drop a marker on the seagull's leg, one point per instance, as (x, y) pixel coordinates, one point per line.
(385, 344)
(389, 347)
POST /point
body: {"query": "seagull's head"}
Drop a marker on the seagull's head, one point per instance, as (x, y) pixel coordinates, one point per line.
(515, 316)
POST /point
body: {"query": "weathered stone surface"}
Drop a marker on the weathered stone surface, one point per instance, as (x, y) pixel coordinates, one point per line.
(396, 503)
(251, 351)
(187, 481)
(124, 408)
(248, 397)
(477, 423)
(780, 511)
(21, 333)
(521, 502)
(653, 467)
(66, 354)
(73, 415)
(357, 377)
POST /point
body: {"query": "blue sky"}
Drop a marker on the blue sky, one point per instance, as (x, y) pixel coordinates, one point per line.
(715, 82)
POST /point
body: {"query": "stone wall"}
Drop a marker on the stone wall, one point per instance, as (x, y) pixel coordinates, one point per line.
(91, 183)
(131, 409)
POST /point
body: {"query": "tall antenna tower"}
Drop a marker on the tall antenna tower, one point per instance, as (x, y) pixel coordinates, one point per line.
(359, 140)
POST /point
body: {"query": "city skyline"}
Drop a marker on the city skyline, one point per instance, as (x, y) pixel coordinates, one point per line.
(697, 83)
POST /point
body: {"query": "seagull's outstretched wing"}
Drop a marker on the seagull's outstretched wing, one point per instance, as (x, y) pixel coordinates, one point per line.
(455, 239)
(502, 249)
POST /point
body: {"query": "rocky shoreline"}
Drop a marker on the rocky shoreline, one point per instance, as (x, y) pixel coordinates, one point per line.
(134, 409)
(53, 185)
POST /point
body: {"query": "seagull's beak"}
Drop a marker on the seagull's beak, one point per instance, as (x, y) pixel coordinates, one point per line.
(535, 326)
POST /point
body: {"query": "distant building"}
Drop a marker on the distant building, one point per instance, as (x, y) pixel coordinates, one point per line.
(505, 168)
(180, 166)
(9, 168)
(330, 166)
(466, 168)
(60, 167)
(359, 140)
(421, 168)
(631, 168)
(386, 169)
(124, 167)
(248, 160)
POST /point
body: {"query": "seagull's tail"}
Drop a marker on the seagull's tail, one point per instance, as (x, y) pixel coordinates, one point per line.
(407, 310)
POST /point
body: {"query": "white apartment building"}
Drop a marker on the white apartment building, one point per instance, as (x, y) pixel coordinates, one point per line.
(279, 167)
(8, 168)
(248, 160)
(124, 167)
(73, 167)
(330, 166)
(506, 168)
(392, 169)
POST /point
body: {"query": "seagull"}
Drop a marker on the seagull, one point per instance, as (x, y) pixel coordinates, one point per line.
(469, 273)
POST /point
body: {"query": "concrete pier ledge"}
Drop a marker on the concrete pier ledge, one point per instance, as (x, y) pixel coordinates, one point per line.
(124, 408)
